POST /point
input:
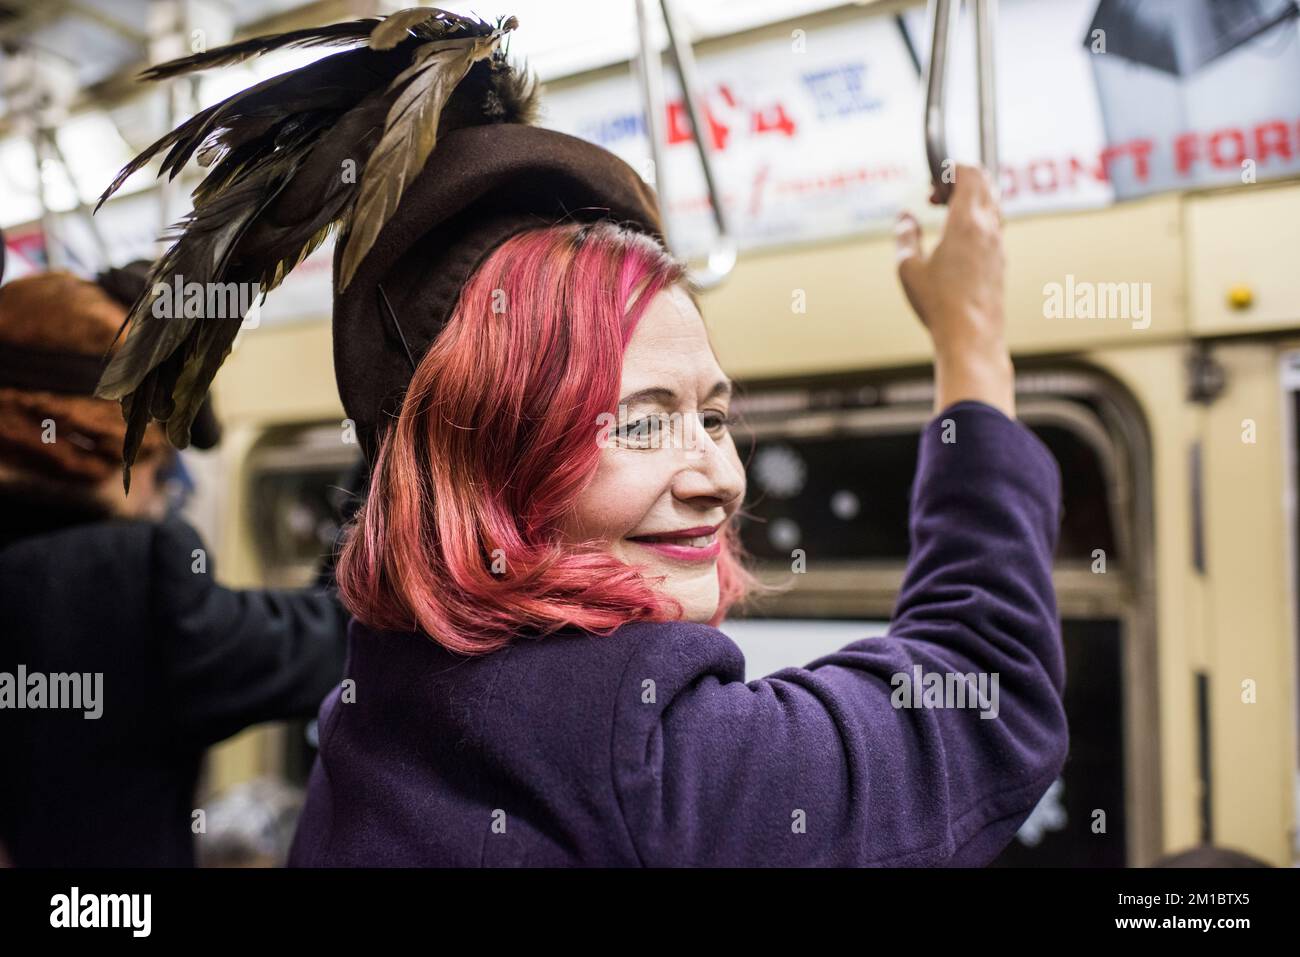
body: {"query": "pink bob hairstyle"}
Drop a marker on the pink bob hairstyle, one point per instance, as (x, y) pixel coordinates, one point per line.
(496, 437)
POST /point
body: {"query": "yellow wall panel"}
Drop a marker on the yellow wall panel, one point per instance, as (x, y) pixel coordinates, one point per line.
(857, 317)
(1249, 626)
(1247, 238)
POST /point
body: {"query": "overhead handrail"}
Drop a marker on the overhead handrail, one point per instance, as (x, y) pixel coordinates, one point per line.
(37, 87)
(942, 22)
(722, 253)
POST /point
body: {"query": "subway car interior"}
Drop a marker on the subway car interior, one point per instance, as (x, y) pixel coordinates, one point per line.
(1147, 154)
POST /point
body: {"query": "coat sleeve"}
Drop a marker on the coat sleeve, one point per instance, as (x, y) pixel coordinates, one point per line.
(817, 765)
(237, 657)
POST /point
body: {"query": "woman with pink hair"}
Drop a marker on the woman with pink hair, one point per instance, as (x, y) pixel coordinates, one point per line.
(548, 543)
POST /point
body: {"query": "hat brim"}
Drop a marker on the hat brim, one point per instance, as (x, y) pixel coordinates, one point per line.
(480, 186)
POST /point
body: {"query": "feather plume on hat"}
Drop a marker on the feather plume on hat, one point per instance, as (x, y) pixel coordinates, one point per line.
(276, 155)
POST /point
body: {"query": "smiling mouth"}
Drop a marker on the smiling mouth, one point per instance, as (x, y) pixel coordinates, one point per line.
(690, 544)
(693, 541)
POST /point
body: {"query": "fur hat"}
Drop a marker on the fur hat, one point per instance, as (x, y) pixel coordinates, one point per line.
(55, 329)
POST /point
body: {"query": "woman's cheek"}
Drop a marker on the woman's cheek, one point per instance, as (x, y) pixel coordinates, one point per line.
(619, 498)
(632, 487)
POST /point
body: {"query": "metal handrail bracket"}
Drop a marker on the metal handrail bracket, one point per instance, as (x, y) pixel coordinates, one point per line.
(943, 16)
(722, 253)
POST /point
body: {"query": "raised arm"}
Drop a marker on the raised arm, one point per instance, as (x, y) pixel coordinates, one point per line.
(852, 760)
(238, 657)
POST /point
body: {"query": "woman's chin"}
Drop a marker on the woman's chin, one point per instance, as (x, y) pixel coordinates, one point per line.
(699, 600)
(694, 585)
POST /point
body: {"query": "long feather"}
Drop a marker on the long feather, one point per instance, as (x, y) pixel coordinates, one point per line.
(410, 134)
(397, 27)
(426, 23)
(163, 142)
(200, 254)
(335, 34)
(336, 82)
(274, 190)
(215, 340)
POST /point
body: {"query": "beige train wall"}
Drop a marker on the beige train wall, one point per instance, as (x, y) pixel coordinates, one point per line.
(1233, 621)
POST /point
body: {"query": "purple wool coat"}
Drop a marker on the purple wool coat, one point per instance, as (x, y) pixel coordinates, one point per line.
(648, 747)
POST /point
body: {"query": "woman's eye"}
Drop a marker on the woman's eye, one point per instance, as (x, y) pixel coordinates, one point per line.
(641, 433)
(717, 422)
(662, 431)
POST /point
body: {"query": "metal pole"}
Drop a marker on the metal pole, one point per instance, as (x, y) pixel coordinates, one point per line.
(986, 22)
(686, 74)
(943, 15)
(722, 255)
(650, 73)
(936, 95)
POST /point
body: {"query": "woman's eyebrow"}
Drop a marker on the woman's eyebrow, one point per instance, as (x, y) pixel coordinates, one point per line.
(721, 388)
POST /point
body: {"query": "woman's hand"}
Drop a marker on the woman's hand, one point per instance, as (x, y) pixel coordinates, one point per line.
(956, 291)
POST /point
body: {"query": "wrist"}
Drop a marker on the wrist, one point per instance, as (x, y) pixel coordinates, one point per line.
(972, 375)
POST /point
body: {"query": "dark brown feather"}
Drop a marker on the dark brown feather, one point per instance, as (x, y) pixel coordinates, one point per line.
(334, 34)
(410, 133)
(397, 27)
(425, 23)
(274, 189)
(335, 82)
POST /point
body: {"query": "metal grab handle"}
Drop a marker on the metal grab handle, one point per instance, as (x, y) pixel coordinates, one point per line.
(722, 254)
(942, 21)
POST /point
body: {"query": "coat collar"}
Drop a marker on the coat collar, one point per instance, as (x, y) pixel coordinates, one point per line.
(30, 509)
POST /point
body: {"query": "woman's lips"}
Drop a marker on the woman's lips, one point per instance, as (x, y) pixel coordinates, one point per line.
(689, 545)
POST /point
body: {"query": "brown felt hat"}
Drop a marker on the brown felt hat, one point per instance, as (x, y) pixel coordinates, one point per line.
(482, 185)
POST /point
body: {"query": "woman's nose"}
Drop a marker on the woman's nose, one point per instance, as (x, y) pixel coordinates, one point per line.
(707, 470)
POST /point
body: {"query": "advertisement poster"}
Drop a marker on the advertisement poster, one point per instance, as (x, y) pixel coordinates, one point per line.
(819, 134)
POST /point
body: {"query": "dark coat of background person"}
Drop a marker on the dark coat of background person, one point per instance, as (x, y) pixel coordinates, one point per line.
(186, 663)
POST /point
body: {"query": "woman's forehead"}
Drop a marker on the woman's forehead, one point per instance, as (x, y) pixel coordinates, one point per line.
(670, 348)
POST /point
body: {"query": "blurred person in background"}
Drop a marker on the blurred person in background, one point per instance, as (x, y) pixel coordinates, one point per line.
(120, 590)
